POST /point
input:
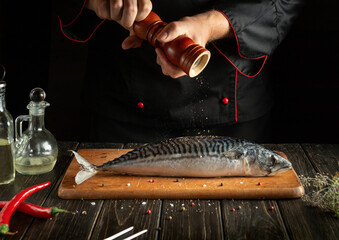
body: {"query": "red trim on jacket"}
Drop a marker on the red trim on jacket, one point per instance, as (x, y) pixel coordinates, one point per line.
(235, 96)
(71, 22)
(236, 37)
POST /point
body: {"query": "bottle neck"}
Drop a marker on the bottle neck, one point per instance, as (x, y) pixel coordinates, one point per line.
(37, 122)
(2, 102)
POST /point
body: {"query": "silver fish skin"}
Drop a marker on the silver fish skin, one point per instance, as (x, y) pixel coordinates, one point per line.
(198, 156)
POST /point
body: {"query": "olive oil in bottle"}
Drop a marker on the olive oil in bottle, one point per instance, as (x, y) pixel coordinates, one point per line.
(7, 170)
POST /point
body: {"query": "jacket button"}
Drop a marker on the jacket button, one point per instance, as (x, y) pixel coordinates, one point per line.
(140, 105)
(225, 100)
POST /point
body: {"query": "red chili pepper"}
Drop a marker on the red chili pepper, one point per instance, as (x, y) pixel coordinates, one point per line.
(37, 211)
(11, 206)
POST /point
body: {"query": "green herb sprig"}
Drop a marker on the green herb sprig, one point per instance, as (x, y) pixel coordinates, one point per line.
(325, 192)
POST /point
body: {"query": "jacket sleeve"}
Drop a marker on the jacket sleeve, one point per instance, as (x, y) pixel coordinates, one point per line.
(259, 26)
(76, 22)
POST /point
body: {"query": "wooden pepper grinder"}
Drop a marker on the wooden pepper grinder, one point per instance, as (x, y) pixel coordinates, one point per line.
(182, 51)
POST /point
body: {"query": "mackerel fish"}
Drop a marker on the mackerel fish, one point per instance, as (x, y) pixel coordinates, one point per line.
(198, 156)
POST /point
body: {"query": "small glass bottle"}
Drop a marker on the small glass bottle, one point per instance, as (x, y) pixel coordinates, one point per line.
(7, 169)
(36, 148)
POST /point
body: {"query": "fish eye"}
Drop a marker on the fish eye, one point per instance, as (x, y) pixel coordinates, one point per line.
(272, 160)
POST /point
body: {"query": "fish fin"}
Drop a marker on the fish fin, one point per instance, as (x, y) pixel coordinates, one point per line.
(233, 154)
(88, 169)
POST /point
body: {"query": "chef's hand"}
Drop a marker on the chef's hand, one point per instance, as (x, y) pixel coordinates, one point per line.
(201, 28)
(124, 12)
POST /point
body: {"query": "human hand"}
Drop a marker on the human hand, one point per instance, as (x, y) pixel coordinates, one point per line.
(124, 12)
(211, 25)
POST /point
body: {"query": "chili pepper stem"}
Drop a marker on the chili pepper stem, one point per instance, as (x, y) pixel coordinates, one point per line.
(55, 211)
(4, 229)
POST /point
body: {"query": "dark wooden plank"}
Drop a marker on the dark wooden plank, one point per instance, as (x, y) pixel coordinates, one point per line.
(201, 221)
(252, 219)
(117, 215)
(324, 157)
(67, 226)
(302, 221)
(20, 222)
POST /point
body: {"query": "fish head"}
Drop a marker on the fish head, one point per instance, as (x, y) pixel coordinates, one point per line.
(265, 162)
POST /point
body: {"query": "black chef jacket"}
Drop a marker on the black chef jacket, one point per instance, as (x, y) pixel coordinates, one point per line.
(128, 85)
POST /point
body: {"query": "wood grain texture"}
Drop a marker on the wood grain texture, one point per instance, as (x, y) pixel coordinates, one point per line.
(104, 185)
(201, 221)
(300, 219)
(252, 219)
(118, 215)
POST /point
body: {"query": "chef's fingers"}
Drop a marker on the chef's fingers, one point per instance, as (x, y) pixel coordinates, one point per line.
(129, 13)
(167, 67)
(170, 32)
(131, 42)
(144, 8)
(116, 7)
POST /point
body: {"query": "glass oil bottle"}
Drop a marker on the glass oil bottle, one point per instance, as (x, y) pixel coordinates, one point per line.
(36, 148)
(7, 168)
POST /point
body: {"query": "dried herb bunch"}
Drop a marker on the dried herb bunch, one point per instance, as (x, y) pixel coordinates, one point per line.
(325, 193)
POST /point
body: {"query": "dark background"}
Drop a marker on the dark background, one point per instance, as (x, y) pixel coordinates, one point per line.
(304, 69)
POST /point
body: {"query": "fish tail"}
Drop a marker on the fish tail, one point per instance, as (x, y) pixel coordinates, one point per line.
(88, 169)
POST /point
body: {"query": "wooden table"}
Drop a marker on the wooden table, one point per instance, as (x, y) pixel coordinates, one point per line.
(207, 219)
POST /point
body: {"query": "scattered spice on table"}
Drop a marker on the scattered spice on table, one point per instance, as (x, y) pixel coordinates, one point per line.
(169, 218)
(259, 183)
(183, 209)
(128, 184)
(151, 180)
(239, 207)
(148, 212)
(233, 210)
(192, 204)
(221, 184)
(204, 185)
(271, 207)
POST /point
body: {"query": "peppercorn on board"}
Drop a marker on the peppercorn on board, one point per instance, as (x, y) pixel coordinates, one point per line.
(104, 185)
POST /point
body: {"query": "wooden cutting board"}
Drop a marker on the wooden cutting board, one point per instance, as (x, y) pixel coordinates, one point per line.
(107, 186)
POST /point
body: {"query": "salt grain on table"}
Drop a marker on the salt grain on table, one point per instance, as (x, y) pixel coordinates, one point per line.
(93, 203)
